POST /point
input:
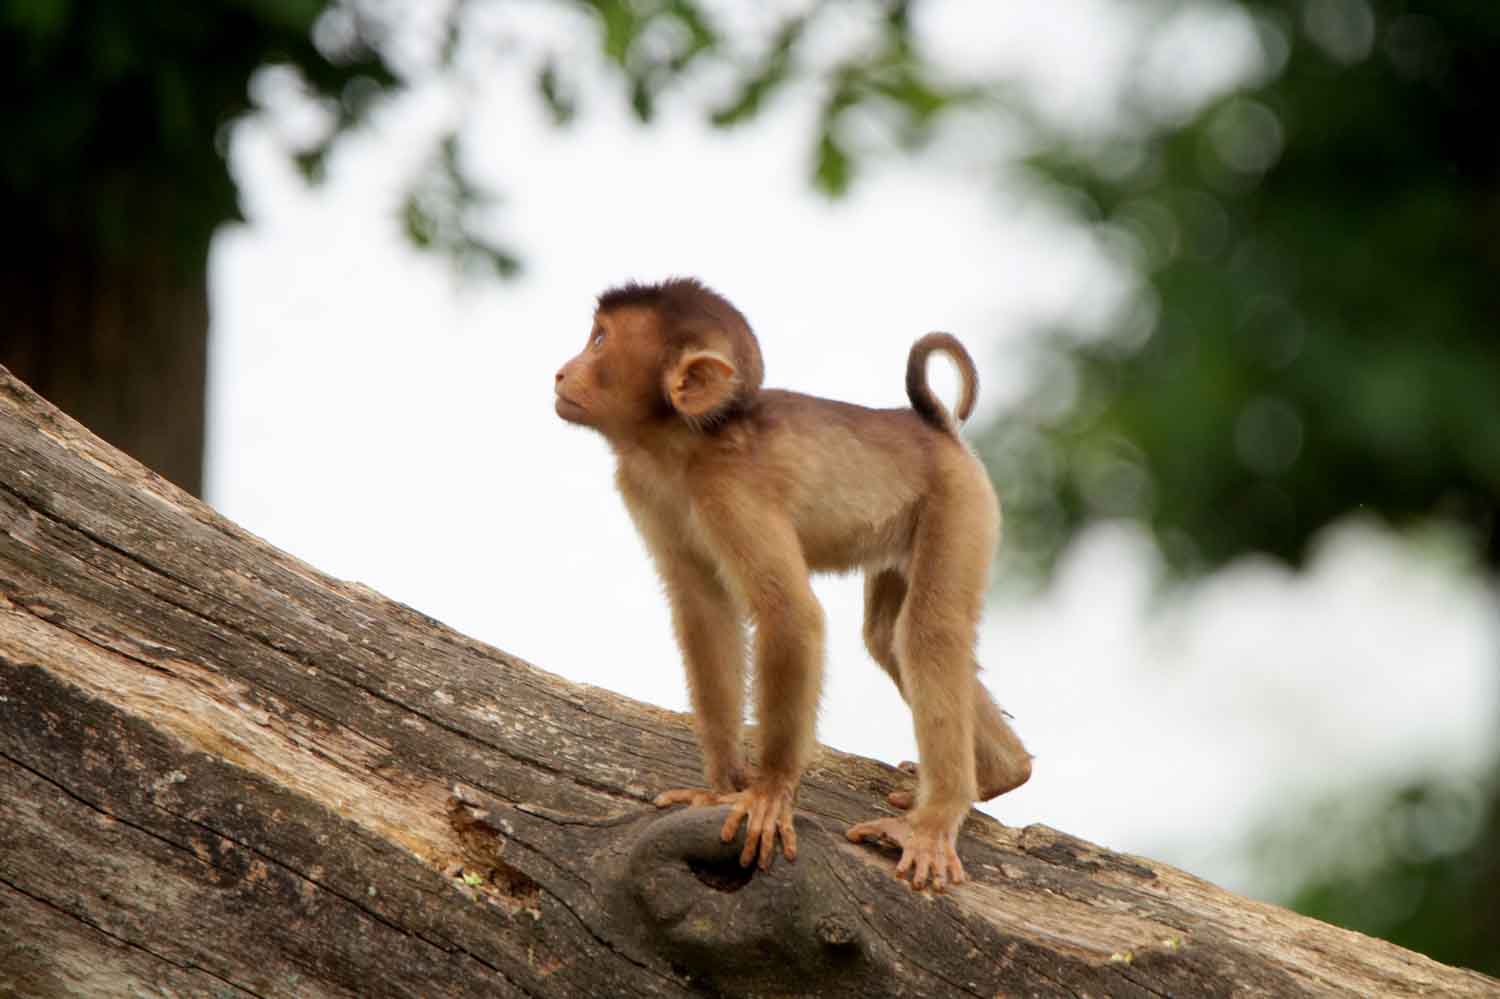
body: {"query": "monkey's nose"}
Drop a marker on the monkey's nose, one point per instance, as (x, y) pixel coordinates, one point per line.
(559, 377)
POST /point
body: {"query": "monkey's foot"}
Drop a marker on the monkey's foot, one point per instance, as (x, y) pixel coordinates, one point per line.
(905, 799)
(693, 797)
(767, 806)
(929, 851)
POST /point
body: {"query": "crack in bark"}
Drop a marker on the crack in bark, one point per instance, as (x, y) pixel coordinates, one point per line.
(452, 728)
(558, 818)
(447, 947)
(291, 701)
(456, 728)
(964, 930)
(125, 942)
(269, 643)
(1140, 985)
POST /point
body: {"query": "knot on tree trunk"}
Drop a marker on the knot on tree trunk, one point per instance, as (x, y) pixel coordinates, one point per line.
(741, 929)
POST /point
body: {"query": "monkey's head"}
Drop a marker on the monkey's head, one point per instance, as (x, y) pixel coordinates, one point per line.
(657, 353)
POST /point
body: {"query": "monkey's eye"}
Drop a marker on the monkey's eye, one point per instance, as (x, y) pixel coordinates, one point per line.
(597, 340)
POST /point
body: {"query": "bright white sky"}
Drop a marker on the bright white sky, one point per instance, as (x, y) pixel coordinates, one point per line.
(391, 424)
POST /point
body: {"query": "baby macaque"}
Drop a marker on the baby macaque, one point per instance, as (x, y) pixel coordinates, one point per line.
(740, 493)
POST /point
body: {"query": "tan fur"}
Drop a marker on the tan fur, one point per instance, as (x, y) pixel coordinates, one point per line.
(740, 493)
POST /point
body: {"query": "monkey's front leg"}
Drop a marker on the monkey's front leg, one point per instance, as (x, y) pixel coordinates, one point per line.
(711, 635)
(788, 674)
(758, 549)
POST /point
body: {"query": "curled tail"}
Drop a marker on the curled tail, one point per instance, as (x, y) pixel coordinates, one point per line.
(922, 398)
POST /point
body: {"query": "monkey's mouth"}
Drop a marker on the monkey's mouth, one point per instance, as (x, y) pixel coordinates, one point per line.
(567, 408)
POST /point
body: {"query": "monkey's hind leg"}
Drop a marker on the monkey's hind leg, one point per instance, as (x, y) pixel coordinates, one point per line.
(1001, 762)
(935, 634)
(885, 592)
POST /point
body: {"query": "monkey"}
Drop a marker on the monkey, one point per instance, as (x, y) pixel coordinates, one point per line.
(739, 494)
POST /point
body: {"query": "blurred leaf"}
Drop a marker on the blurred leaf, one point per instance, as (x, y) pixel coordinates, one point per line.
(116, 110)
(557, 96)
(834, 170)
(442, 211)
(773, 71)
(642, 97)
(419, 226)
(312, 163)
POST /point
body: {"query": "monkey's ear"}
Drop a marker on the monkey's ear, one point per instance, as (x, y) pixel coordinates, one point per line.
(701, 383)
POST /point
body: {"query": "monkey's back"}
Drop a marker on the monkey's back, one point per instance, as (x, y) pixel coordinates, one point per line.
(850, 477)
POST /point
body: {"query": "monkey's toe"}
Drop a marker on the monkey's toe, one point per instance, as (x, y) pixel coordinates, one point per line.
(893, 831)
(693, 797)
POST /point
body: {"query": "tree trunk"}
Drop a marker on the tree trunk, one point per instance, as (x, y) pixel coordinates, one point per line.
(117, 339)
(223, 773)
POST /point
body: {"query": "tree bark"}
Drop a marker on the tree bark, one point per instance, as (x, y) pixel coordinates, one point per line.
(223, 773)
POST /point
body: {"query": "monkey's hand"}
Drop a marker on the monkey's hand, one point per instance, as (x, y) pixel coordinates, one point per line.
(767, 803)
(929, 847)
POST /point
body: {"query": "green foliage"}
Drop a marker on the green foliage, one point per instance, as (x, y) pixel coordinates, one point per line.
(555, 93)
(1317, 332)
(652, 43)
(119, 109)
(1419, 867)
(439, 214)
(114, 111)
(774, 69)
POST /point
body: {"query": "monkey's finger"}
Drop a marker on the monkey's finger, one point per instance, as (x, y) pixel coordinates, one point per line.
(679, 796)
(732, 822)
(921, 870)
(757, 836)
(788, 835)
(947, 871)
(752, 846)
(768, 846)
(752, 839)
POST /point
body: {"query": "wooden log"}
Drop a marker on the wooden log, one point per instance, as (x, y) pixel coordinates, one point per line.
(223, 773)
